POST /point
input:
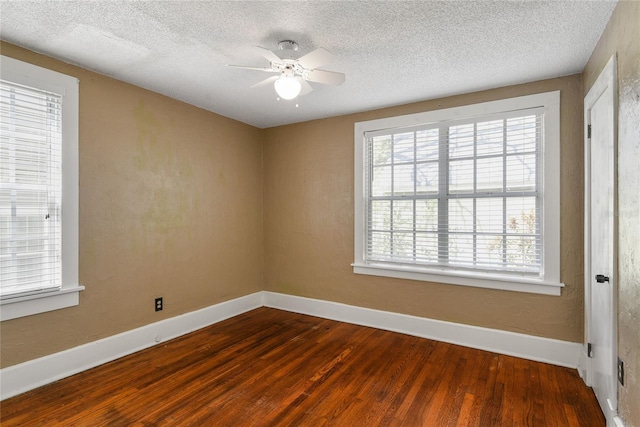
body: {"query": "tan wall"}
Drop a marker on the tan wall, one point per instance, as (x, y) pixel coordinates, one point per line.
(170, 205)
(308, 225)
(622, 37)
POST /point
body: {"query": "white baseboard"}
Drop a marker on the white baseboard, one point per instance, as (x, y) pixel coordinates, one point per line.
(35, 373)
(617, 422)
(584, 366)
(556, 352)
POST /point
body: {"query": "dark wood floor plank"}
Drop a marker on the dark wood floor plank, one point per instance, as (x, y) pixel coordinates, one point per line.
(429, 392)
(306, 374)
(456, 391)
(406, 389)
(360, 371)
(464, 416)
(273, 368)
(406, 400)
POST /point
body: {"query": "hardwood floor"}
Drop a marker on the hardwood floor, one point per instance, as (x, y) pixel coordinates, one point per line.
(274, 368)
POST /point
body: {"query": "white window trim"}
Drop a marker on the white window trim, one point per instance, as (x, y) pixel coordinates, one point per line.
(549, 282)
(68, 296)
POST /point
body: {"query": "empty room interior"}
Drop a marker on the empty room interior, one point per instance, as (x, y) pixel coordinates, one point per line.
(320, 213)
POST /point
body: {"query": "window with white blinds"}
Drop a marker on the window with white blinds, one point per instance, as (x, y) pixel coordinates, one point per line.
(38, 189)
(30, 189)
(459, 195)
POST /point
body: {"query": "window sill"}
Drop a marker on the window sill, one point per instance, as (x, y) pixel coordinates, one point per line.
(39, 303)
(478, 280)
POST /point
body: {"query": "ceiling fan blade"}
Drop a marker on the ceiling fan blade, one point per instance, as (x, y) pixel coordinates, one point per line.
(306, 87)
(326, 77)
(267, 69)
(315, 59)
(270, 56)
(266, 81)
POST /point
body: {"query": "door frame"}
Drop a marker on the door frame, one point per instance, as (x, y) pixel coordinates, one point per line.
(607, 79)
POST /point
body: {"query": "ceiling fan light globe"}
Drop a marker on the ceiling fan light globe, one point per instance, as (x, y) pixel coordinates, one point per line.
(287, 87)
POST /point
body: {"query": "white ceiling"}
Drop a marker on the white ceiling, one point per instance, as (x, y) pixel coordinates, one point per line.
(392, 52)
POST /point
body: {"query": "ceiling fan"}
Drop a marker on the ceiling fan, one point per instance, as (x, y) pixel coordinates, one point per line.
(294, 74)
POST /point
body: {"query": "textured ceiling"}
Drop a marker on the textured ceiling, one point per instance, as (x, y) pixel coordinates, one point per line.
(392, 52)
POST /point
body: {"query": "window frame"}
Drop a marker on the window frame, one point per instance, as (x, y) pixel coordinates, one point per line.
(31, 75)
(548, 282)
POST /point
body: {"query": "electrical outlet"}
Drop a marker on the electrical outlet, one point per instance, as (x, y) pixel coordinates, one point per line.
(620, 371)
(159, 304)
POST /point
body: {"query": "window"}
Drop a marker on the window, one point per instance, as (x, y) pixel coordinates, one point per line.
(467, 195)
(38, 190)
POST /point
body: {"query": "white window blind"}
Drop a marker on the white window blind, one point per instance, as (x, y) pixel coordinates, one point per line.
(30, 190)
(460, 194)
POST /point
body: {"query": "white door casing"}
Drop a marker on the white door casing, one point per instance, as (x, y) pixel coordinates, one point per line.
(600, 238)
